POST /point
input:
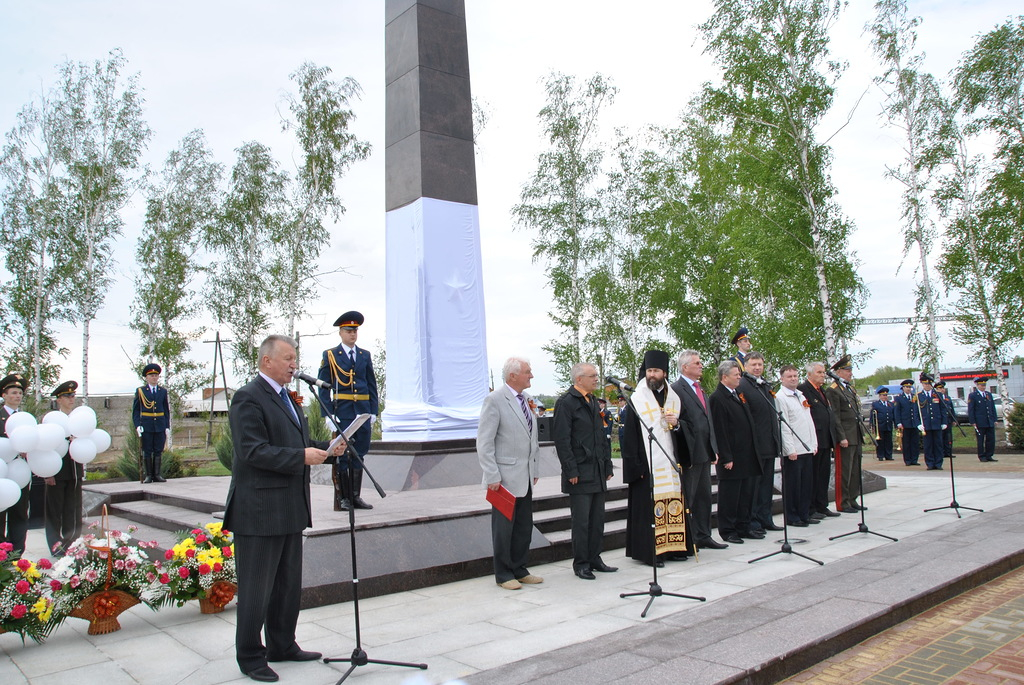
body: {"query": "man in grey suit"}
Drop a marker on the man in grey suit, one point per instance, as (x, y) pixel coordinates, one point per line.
(506, 444)
(268, 507)
(700, 437)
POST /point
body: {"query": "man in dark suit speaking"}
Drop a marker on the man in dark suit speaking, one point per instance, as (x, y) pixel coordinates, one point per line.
(267, 509)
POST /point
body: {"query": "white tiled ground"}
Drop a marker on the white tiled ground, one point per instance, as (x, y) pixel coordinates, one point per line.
(469, 626)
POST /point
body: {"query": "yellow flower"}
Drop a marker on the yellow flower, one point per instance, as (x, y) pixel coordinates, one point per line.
(31, 573)
(214, 528)
(43, 608)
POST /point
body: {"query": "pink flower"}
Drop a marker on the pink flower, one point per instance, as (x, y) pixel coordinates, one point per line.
(169, 554)
(164, 578)
(226, 551)
(44, 563)
(22, 586)
(6, 547)
(23, 565)
(190, 553)
(119, 564)
(123, 551)
(183, 572)
(130, 564)
(91, 575)
(116, 533)
(19, 611)
(3, 555)
(204, 569)
(55, 585)
(200, 539)
(75, 581)
(150, 577)
(197, 531)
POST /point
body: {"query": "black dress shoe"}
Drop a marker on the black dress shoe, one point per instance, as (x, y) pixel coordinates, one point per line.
(263, 674)
(603, 568)
(711, 543)
(813, 521)
(772, 527)
(301, 655)
(344, 505)
(733, 538)
(817, 516)
(798, 524)
(849, 510)
(751, 534)
(859, 507)
(991, 459)
(361, 503)
(585, 574)
(827, 512)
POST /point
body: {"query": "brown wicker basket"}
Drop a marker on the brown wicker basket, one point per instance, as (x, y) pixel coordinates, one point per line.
(221, 593)
(102, 608)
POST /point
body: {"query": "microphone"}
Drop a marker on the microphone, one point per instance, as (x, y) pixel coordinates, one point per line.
(619, 383)
(834, 377)
(310, 380)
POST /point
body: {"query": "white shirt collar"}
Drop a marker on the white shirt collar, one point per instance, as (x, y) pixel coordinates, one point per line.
(273, 384)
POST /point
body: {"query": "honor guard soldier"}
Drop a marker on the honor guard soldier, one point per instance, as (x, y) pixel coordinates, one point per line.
(933, 422)
(743, 345)
(981, 413)
(850, 431)
(353, 390)
(151, 414)
(13, 521)
(908, 418)
(949, 412)
(64, 489)
(883, 421)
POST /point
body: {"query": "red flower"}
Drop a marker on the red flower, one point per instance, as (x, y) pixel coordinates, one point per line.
(164, 578)
(19, 611)
(3, 555)
(23, 564)
(190, 553)
(6, 547)
(204, 569)
(197, 531)
(22, 586)
(44, 563)
(169, 554)
(200, 539)
(217, 567)
(55, 585)
(226, 551)
(183, 572)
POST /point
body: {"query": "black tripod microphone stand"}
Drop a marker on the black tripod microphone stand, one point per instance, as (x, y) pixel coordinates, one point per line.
(954, 505)
(862, 527)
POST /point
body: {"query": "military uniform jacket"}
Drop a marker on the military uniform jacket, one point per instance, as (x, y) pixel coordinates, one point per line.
(151, 410)
(933, 411)
(582, 448)
(353, 386)
(908, 414)
(883, 416)
(846, 405)
(822, 414)
(981, 409)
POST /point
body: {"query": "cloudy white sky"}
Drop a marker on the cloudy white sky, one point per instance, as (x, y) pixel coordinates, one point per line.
(223, 67)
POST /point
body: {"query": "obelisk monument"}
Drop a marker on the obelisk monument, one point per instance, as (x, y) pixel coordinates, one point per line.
(436, 338)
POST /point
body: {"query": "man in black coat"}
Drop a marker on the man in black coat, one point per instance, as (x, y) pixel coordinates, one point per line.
(738, 464)
(268, 507)
(64, 488)
(586, 458)
(825, 431)
(767, 439)
(702, 448)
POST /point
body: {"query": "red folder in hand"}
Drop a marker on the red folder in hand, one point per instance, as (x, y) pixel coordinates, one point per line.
(502, 500)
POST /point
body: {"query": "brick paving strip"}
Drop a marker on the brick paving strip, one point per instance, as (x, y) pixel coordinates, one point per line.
(974, 639)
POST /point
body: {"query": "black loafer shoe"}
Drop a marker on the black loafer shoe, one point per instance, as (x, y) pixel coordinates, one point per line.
(817, 516)
(990, 459)
(751, 535)
(813, 522)
(798, 524)
(603, 568)
(711, 543)
(301, 655)
(734, 539)
(860, 508)
(849, 510)
(263, 674)
(773, 527)
(361, 503)
(827, 512)
(585, 574)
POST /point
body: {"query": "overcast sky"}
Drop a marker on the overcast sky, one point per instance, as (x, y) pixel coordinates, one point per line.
(223, 67)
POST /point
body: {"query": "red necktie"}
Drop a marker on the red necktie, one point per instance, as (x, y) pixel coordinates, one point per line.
(700, 394)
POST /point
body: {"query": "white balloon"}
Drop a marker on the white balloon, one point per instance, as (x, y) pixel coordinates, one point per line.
(83, 451)
(3, 469)
(82, 421)
(10, 493)
(19, 472)
(25, 438)
(58, 418)
(50, 436)
(19, 419)
(62, 448)
(7, 450)
(44, 463)
(102, 440)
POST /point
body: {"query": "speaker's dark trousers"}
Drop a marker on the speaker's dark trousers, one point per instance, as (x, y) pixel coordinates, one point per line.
(587, 512)
(270, 581)
(798, 484)
(735, 496)
(697, 489)
(986, 442)
(511, 539)
(821, 463)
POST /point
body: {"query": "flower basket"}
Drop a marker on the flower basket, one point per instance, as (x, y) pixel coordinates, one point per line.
(101, 610)
(26, 598)
(218, 597)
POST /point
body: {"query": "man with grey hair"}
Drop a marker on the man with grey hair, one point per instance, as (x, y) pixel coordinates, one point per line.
(506, 445)
(699, 433)
(586, 458)
(268, 507)
(825, 431)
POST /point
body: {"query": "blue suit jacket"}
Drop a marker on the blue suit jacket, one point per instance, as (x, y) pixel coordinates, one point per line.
(933, 412)
(152, 413)
(981, 409)
(907, 413)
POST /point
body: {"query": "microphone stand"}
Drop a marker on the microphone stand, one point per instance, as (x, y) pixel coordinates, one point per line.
(359, 656)
(786, 547)
(654, 588)
(954, 505)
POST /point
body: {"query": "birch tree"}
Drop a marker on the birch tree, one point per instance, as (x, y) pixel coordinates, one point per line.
(910, 96)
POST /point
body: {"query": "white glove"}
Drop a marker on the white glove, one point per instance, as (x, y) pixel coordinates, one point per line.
(943, 426)
(372, 419)
(921, 428)
(167, 430)
(330, 424)
(138, 430)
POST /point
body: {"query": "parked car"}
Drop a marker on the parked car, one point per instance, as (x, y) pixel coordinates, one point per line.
(960, 407)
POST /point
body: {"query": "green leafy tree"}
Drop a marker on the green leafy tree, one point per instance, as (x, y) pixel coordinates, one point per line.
(910, 107)
(320, 118)
(560, 205)
(180, 205)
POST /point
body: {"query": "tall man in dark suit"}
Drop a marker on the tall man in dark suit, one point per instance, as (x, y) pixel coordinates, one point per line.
(850, 431)
(883, 420)
(908, 418)
(981, 413)
(767, 439)
(699, 432)
(738, 464)
(586, 458)
(353, 390)
(14, 521)
(506, 445)
(268, 507)
(64, 489)
(825, 431)
(151, 414)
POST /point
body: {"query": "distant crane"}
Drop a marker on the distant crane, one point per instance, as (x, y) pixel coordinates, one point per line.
(909, 320)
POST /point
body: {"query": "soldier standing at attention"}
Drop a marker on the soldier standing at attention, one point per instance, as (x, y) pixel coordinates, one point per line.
(151, 414)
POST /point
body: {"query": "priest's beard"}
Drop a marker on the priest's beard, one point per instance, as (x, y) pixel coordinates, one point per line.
(655, 386)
